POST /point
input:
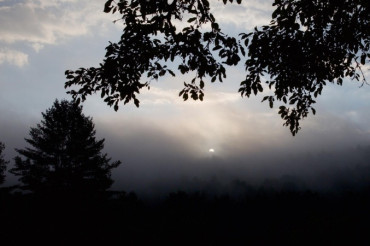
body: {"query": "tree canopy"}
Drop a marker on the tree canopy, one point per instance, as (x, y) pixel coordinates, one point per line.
(3, 163)
(64, 156)
(306, 45)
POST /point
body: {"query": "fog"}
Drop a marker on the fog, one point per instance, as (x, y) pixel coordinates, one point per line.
(164, 145)
(250, 147)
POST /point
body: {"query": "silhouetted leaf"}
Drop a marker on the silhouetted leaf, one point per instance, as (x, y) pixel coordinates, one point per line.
(107, 6)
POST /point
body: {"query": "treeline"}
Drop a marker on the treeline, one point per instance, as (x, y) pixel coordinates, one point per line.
(262, 218)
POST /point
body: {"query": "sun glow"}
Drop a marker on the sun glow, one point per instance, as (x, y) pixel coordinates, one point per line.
(211, 150)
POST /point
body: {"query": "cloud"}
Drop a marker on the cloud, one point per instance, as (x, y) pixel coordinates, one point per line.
(13, 57)
(246, 15)
(243, 17)
(160, 96)
(40, 22)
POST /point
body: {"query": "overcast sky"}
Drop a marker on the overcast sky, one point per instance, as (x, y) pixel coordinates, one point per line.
(164, 145)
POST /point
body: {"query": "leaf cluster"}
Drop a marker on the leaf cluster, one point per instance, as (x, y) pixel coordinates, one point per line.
(306, 45)
(151, 38)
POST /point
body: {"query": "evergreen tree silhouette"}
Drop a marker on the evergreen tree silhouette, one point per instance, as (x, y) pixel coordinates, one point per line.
(64, 157)
(3, 164)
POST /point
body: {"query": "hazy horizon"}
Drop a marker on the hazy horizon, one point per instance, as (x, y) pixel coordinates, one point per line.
(164, 145)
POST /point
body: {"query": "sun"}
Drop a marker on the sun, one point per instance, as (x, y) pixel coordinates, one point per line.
(211, 150)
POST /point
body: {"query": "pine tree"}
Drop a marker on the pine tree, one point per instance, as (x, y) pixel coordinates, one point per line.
(3, 164)
(64, 157)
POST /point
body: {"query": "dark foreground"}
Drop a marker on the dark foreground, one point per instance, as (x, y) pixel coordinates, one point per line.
(280, 218)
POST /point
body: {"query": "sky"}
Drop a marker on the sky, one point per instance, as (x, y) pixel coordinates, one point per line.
(164, 145)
